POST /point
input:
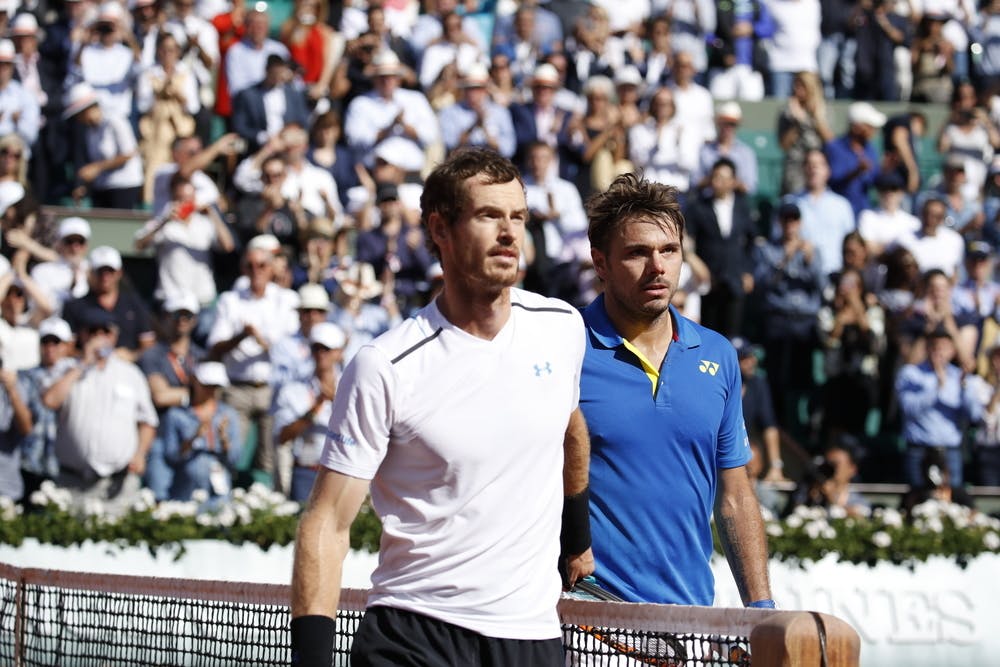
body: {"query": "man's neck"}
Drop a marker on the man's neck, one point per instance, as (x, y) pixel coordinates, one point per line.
(651, 337)
(481, 315)
(181, 345)
(108, 299)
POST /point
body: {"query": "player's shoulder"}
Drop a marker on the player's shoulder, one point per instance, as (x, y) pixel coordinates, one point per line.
(537, 305)
(709, 340)
(412, 334)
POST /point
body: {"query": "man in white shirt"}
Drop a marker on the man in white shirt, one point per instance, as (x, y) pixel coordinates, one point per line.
(884, 226)
(794, 44)
(935, 245)
(248, 321)
(108, 65)
(388, 111)
(20, 109)
(415, 419)
(695, 108)
(106, 419)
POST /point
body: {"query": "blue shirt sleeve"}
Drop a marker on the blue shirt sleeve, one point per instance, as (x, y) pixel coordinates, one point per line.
(733, 449)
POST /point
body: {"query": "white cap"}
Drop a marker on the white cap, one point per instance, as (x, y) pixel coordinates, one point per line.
(386, 63)
(81, 96)
(729, 111)
(401, 152)
(105, 256)
(628, 76)
(865, 113)
(211, 374)
(74, 226)
(11, 192)
(6, 51)
(24, 24)
(266, 242)
(313, 297)
(182, 301)
(476, 76)
(55, 326)
(111, 11)
(545, 75)
(329, 335)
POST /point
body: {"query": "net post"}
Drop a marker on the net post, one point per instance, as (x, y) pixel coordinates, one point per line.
(789, 639)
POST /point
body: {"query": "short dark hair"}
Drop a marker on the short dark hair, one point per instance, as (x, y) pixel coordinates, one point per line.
(445, 192)
(724, 162)
(631, 197)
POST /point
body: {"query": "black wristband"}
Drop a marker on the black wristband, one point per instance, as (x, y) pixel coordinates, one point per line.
(312, 641)
(575, 537)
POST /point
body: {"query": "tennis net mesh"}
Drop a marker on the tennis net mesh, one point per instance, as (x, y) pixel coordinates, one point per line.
(62, 618)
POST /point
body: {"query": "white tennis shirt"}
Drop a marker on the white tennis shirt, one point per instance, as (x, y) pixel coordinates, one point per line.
(463, 441)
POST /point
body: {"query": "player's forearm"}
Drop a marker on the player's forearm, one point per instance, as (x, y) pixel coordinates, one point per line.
(741, 531)
(320, 550)
(576, 453)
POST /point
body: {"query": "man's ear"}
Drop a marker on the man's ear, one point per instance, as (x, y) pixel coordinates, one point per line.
(437, 227)
(600, 263)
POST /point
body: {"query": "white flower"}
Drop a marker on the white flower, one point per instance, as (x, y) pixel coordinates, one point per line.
(199, 496)
(204, 520)
(227, 517)
(147, 498)
(814, 529)
(881, 539)
(829, 533)
(775, 530)
(991, 541)
(93, 507)
(39, 498)
(238, 494)
(287, 508)
(838, 512)
(243, 512)
(794, 521)
(890, 517)
(935, 525)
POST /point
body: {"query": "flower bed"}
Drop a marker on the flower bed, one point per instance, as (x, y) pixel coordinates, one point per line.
(262, 517)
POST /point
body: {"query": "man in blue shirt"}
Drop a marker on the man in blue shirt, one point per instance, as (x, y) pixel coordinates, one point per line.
(661, 396)
(852, 157)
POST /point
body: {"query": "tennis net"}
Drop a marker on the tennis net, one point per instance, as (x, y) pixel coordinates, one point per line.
(73, 619)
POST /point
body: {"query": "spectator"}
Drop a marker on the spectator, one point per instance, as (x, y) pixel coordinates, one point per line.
(838, 47)
(199, 42)
(662, 147)
(720, 225)
(758, 411)
(109, 168)
(693, 101)
(934, 245)
(880, 31)
(525, 37)
(788, 278)
(268, 205)
(598, 51)
(18, 335)
(203, 441)
(542, 119)
(389, 111)
(936, 405)
(107, 421)
(263, 109)
(184, 239)
(167, 99)
(658, 62)
(109, 62)
(802, 127)
(933, 58)
(856, 257)
(168, 366)
(936, 483)
(827, 484)
(826, 216)
(149, 18)
(728, 116)
(734, 48)
(978, 295)
(65, 278)
(793, 47)
(901, 137)
(935, 309)
(987, 436)
(290, 357)
(454, 46)
(249, 320)
(38, 74)
(852, 332)
(246, 60)
(603, 133)
(15, 424)
(231, 27)
(852, 157)
(313, 46)
(38, 456)
(884, 226)
(21, 109)
(190, 160)
(557, 227)
(690, 22)
(302, 407)
(327, 152)
(969, 134)
(125, 308)
(476, 120)
(430, 26)
(361, 320)
(313, 187)
(770, 499)
(965, 210)
(321, 256)
(986, 31)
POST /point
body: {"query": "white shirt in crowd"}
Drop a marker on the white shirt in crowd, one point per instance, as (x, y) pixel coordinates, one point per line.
(884, 229)
(945, 250)
(796, 36)
(184, 257)
(111, 70)
(112, 137)
(62, 281)
(368, 114)
(566, 236)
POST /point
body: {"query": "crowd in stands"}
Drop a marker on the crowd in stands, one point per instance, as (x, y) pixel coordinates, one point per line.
(280, 163)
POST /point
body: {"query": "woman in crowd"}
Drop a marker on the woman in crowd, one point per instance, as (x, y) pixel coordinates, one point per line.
(313, 45)
(802, 127)
(602, 132)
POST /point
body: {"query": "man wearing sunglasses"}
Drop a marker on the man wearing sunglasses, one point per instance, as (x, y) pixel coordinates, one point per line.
(106, 419)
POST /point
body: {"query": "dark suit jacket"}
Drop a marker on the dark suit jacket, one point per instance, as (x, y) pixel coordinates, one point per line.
(727, 258)
(249, 118)
(526, 133)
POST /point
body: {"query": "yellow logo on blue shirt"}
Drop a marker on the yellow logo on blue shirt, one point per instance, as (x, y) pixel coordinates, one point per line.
(709, 367)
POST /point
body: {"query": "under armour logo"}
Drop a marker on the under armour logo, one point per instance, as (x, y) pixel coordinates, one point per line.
(709, 367)
(547, 369)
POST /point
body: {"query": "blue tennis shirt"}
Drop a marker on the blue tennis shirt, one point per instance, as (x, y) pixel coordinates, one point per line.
(655, 457)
